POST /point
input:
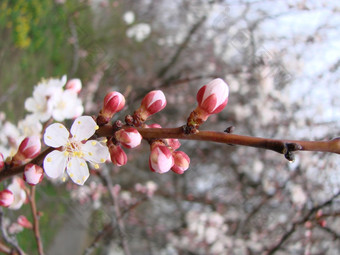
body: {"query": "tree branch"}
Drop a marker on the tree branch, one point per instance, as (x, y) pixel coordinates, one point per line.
(285, 147)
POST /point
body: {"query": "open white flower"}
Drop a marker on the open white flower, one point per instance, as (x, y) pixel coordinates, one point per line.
(75, 150)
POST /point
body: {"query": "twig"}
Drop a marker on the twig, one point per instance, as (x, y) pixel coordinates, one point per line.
(294, 226)
(33, 205)
(183, 45)
(117, 213)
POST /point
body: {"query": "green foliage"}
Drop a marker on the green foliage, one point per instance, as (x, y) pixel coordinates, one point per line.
(29, 20)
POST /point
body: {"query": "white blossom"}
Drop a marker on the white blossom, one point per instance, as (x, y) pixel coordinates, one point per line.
(75, 150)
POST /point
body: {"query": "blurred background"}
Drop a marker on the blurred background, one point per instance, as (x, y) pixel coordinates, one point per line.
(281, 60)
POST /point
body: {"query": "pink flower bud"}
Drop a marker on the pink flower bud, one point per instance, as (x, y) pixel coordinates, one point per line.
(74, 85)
(24, 222)
(33, 174)
(161, 159)
(152, 103)
(2, 161)
(182, 162)
(113, 103)
(173, 143)
(6, 198)
(129, 137)
(213, 97)
(118, 156)
(29, 148)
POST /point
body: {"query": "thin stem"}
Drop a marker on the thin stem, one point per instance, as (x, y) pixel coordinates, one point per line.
(295, 225)
(35, 220)
(117, 213)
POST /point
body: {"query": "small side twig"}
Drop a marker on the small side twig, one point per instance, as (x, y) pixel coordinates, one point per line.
(36, 230)
(294, 226)
(117, 213)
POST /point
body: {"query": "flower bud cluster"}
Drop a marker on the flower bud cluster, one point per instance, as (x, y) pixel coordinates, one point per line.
(165, 157)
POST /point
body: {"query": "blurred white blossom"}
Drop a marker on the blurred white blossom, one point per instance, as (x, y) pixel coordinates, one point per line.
(139, 32)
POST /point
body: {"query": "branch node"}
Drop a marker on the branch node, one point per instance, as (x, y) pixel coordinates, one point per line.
(289, 148)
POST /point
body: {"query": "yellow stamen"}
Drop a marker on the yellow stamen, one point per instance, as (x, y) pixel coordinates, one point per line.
(49, 159)
(82, 164)
(102, 160)
(96, 166)
(66, 153)
(90, 154)
(49, 137)
(96, 127)
(71, 175)
(94, 143)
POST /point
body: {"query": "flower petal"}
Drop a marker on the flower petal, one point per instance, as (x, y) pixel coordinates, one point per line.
(55, 163)
(78, 170)
(56, 135)
(95, 152)
(83, 128)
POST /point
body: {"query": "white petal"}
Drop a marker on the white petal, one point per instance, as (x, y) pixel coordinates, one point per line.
(95, 152)
(55, 163)
(78, 170)
(83, 128)
(56, 135)
(30, 104)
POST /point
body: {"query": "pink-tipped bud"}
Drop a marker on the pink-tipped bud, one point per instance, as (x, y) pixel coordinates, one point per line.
(24, 222)
(74, 85)
(182, 162)
(160, 160)
(2, 161)
(152, 103)
(29, 148)
(113, 103)
(33, 174)
(129, 137)
(118, 156)
(213, 97)
(6, 198)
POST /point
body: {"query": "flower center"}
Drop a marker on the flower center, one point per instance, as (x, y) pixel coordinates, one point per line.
(73, 148)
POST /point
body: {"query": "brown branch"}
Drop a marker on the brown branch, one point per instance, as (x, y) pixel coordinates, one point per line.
(33, 205)
(280, 146)
(285, 147)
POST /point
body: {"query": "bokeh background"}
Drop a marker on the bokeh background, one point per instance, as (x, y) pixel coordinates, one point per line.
(281, 60)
